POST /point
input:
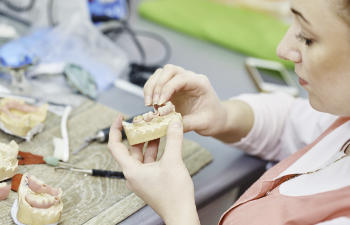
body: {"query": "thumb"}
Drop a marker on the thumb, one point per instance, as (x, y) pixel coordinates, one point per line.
(173, 146)
(115, 145)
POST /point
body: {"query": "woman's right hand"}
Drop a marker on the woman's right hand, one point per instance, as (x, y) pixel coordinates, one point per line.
(192, 95)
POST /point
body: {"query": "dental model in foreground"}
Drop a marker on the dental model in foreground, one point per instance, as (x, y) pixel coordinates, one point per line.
(151, 125)
(20, 119)
(38, 203)
(8, 160)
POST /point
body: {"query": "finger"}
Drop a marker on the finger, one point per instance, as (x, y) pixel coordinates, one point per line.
(117, 148)
(167, 74)
(174, 138)
(115, 134)
(180, 82)
(136, 151)
(194, 122)
(149, 87)
(151, 151)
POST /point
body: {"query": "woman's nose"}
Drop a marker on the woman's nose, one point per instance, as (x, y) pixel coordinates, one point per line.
(289, 54)
(287, 49)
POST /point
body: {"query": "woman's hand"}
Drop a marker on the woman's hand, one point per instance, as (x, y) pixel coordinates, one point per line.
(192, 95)
(165, 185)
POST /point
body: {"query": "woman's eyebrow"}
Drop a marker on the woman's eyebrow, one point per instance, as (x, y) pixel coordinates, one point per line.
(300, 15)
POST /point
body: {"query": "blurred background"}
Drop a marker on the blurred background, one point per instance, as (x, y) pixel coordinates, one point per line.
(81, 48)
(65, 52)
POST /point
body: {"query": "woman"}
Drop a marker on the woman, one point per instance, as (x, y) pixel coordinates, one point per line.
(311, 183)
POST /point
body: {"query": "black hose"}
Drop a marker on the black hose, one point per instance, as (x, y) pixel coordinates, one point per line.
(18, 8)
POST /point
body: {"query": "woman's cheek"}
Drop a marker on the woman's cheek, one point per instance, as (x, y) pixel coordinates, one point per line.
(315, 63)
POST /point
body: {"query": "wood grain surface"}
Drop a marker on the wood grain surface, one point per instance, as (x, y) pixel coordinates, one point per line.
(87, 199)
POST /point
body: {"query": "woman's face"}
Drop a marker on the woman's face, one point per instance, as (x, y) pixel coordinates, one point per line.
(318, 42)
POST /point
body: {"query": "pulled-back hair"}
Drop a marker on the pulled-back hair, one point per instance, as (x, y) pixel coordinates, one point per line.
(343, 9)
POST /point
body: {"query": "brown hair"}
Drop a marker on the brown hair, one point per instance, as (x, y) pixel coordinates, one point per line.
(343, 10)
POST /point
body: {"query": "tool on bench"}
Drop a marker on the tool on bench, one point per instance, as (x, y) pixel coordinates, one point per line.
(100, 136)
(27, 158)
(94, 172)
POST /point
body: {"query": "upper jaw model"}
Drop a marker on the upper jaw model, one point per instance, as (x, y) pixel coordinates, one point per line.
(21, 119)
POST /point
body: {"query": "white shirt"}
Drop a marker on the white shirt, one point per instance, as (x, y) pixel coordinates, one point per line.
(284, 125)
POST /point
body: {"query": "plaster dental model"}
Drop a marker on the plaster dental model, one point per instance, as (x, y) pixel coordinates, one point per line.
(8, 160)
(4, 190)
(151, 125)
(20, 119)
(38, 203)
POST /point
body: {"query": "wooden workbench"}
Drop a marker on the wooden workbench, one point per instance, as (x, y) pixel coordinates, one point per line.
(87, 199)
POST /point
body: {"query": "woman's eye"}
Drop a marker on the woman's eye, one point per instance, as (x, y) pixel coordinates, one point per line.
(306, 40)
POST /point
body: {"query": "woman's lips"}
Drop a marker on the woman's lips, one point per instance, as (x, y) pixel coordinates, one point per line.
(303, 82)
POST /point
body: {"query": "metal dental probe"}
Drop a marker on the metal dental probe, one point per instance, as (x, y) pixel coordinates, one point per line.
(100, 136)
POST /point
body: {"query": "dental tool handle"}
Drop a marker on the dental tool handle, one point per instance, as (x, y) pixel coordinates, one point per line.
(103, 135)
(107, 173)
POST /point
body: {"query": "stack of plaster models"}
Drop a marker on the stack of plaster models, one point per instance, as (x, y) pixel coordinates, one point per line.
(151, 125)
(8, 166)
(8, 160)
(38, 203)
(20, 119)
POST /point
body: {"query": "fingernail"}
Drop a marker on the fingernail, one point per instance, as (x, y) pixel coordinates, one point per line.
(162, 100)
(148, 100)
(156, 99)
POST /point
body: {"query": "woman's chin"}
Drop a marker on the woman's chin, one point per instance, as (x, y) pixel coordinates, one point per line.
(328, 108)
(316, 104)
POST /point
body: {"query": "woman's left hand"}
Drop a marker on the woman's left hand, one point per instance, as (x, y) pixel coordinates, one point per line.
(165, 185)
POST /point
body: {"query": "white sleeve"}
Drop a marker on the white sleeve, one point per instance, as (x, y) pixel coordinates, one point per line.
(282, 125)
(337, 221)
